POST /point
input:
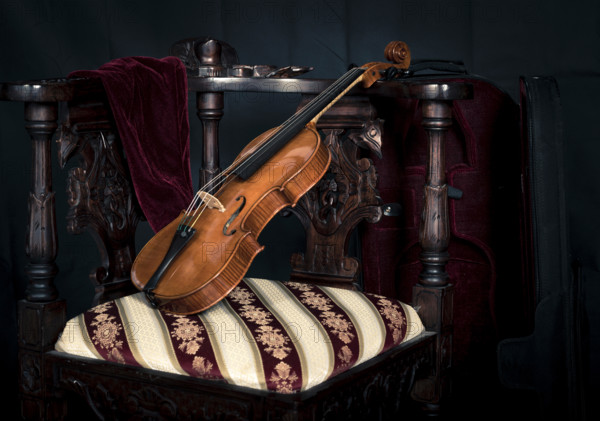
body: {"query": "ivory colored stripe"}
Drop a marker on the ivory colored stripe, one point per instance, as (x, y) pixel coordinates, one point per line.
(146, 335)
(350, 313)
(318, 333)
(234, 347)
(131, 330)
(414, 325)
(309, 338)
(365, 317)
(75, 339)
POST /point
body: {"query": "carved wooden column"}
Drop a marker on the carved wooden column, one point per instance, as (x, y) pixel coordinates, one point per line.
(41, 315)
(433, 292)
(41, 241)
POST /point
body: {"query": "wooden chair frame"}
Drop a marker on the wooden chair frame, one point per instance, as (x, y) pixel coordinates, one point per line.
(415, 371)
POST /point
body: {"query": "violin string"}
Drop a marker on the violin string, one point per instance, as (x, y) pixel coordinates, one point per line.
(221, 180)
(291, 121)
(287, 126)
(309, 109)
(294, 118)
(264, 145)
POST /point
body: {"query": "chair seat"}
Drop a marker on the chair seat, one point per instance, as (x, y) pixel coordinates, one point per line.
(267, 335)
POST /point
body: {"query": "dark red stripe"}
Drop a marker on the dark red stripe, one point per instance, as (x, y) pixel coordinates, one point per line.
(281, 362)
(393, 316)
(191, 343)
(336, 322)
(106, 330)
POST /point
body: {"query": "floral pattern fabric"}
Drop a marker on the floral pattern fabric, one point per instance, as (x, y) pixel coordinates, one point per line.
(254, 337)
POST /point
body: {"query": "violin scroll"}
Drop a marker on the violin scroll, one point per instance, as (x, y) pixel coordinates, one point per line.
(397, 52)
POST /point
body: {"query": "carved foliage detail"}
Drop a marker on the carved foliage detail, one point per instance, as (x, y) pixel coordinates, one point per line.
(40, 243)
(346, 195)
(383, 395)
(101, 198)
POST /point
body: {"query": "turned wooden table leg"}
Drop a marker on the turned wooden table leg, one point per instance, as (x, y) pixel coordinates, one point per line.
(434, 292)
(41, 315)
(210, 110)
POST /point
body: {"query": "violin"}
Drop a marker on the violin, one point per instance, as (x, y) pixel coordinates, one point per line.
(199, 257)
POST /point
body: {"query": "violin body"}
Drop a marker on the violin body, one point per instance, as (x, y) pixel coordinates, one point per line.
(225, 243)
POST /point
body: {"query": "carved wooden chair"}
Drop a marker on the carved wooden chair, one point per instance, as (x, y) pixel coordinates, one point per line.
(56, 384)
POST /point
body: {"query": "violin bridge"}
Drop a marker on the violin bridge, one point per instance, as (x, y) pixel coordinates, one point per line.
(210, 201)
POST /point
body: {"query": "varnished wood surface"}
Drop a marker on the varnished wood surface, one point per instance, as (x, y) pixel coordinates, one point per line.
(413, 88)
(65, 89)
(49, 90)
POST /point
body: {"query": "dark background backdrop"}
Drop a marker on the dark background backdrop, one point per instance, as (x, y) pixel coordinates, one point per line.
(498, 39)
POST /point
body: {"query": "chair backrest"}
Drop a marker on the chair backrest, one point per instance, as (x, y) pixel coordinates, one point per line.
(102, 198)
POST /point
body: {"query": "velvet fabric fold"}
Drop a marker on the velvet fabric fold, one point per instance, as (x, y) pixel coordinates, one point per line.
(148, 98)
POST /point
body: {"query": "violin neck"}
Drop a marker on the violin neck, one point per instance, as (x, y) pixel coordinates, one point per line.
(309, 113)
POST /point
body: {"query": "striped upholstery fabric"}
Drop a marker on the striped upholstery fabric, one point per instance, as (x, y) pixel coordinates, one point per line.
(267, 335)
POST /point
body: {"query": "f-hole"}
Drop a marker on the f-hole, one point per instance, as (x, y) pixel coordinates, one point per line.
(233, 216)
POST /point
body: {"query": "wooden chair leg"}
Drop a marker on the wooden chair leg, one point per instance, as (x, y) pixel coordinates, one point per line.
(431, 390)
(39, 327)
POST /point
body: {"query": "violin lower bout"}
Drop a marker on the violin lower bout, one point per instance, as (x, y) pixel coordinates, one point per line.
(216, 259)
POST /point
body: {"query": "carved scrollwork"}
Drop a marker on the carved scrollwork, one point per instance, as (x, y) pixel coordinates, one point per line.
(112, 398)
(384, 395)
(101, 197)
(150, 404)
(98, 399)
(345, 196)
(369, 137)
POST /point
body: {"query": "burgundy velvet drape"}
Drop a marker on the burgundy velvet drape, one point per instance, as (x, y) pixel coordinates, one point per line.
(148, 98)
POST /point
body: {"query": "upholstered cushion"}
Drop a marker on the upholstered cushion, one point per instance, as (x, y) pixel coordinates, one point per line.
(266, 335)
